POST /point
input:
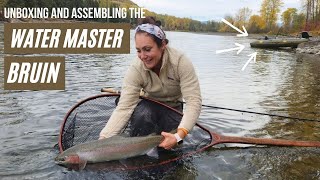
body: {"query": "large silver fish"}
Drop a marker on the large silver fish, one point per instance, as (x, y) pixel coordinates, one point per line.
(113, 148)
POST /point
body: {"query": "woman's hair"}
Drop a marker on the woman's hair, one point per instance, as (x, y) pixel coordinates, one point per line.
(152, 20)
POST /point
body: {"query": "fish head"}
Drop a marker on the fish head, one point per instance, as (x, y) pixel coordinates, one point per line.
(71, 161)
(66, 160)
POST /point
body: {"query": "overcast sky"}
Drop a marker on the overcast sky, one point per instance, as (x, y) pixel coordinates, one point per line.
(204, 10)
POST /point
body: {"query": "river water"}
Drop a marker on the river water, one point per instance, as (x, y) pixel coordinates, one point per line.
(280, 82)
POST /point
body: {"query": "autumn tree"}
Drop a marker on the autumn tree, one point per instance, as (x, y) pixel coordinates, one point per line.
(269, 12)
(287, 18)
(212, 26)
(242, 17)
(256, 24)
(2, 5)
(168, 22)
(226, 28)
(197, 26)
(298, 22)
(312, 12)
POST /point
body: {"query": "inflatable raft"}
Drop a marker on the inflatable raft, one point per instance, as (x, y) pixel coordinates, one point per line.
(277, 43)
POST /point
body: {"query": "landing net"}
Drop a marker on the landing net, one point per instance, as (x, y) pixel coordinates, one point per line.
(86, 119)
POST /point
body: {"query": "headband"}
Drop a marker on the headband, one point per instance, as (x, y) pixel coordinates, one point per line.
(151, 29)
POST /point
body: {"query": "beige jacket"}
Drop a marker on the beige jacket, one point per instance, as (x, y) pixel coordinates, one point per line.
(177, 79)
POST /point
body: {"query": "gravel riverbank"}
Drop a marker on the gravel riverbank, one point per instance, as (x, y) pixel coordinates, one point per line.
(312, 47)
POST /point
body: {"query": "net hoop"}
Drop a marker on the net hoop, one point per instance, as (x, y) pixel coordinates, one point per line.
(115, 95)
(61, 149)
(60, 139)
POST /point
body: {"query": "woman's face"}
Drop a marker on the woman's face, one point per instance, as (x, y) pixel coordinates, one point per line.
(148, 51)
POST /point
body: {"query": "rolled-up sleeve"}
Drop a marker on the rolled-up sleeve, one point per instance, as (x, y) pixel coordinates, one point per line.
(191, 93)
(128, 101)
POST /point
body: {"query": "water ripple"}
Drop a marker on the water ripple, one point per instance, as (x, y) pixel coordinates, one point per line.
(278, 83)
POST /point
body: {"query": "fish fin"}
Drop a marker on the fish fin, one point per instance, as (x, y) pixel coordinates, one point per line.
(82, 163)
(153, 153)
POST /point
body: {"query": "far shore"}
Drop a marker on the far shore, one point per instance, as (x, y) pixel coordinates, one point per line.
(255, 36)
(251, 35)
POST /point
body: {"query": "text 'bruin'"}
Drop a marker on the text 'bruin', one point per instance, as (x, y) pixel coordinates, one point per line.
(74, 38)
(37, 72)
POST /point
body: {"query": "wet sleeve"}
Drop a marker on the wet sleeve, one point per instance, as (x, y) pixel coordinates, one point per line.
(190, 89)
(128, 101)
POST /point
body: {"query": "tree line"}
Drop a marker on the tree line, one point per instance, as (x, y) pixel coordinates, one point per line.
(168, 22)
(267, 21)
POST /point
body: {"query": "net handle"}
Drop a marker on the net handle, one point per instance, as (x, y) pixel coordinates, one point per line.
(219, 139)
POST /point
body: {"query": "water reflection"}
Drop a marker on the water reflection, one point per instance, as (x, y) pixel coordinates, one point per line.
(279, 83)
(298, 97)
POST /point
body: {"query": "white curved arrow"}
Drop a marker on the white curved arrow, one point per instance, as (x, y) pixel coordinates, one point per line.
(243, 34)
(252, 56)
(239, 48)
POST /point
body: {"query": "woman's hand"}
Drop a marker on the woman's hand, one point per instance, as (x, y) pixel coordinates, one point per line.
(169, 141)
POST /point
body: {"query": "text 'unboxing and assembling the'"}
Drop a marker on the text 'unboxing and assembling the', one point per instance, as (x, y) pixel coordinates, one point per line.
(23, 73)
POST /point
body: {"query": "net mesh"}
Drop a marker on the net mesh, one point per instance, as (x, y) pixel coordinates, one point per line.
(85, 120)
